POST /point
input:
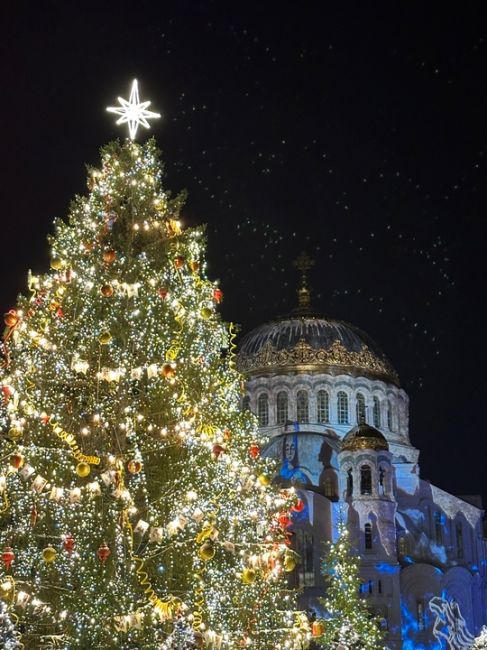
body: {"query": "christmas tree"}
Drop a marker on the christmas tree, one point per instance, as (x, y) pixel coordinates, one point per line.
(349, 624)
(137, 511)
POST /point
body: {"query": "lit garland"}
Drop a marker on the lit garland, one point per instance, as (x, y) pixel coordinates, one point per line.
(133, 510)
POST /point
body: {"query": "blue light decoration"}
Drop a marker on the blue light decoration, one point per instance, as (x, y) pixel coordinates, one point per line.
(450, 625)
(383, 567)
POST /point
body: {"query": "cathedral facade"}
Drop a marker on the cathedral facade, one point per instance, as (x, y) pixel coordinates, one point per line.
(331, 409)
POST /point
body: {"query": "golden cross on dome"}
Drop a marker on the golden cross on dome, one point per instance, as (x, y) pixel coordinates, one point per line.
(304, 263)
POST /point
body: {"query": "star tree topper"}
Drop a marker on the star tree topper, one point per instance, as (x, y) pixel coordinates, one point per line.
(133, 112)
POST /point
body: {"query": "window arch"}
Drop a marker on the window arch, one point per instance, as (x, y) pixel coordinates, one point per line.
(303, 544)
(349, 482)
(360, 406)
(330, 485)
(368, 536)
(403, 545)
(282, 407)
(302, 409)
(382, 480)
(389, 416)
(459, 536)
(263, 410)
(342, 407)
(365, 480)
(376, 413)
(322, 406)
(438, 528)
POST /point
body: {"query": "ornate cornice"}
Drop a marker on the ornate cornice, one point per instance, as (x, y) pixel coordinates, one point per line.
(304, 358)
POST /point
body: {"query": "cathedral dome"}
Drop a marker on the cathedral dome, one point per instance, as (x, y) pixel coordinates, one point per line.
(310, 343)
(304, 341)
(363, 436)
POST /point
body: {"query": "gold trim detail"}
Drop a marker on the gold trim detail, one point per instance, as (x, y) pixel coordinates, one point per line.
(359, 443)
(302, 354)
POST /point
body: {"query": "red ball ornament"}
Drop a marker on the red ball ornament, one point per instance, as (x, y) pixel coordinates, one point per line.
(168, 371)
(8, 556)
(254, 450)
(284, 520)
(11, 318)
(103, 553)
(217, 295)
(217, 451)
(16, 461)
(7, 391)
(134, 466)
(69, 543)
(109, 256)
(163, 293)
(179, 262)
(298, 506)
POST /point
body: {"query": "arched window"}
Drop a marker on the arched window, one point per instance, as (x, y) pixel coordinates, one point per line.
(342, 408)
(281, 408)
(365, 480)
(403, 545)
(360, 408)
(246, 403)
(330, 486)
(303, 544)
(389, 415)
(322, 407)
(368, 536)
(438, 528)
(382, 481)
(376, 413)
(302, 411)
(263, 410)
(350, 482)
(459, 535)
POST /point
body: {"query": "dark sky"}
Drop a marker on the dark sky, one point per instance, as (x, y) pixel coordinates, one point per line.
(355, 132)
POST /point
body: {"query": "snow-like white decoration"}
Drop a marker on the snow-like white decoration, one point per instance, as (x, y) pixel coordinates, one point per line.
(133, 112)
(449, 625)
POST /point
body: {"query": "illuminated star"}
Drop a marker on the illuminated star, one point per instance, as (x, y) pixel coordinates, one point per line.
(133, 112)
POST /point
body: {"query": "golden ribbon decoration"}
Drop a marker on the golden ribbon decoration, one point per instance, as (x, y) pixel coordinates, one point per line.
(233, 346)
(71, 441)
(166, 608)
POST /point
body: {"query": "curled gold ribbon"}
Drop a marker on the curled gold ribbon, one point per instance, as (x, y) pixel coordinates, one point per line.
(71, 441)
(166, 608)
(233, 346)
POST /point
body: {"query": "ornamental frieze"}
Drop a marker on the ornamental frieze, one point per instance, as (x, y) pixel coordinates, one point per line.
(302, 354)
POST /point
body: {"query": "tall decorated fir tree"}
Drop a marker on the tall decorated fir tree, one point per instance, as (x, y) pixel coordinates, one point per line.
(349, 624)
(136, 509)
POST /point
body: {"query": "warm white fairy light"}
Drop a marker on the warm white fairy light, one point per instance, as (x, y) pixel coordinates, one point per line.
(133, 112)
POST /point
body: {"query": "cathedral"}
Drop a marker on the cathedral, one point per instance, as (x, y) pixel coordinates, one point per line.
(331, 409)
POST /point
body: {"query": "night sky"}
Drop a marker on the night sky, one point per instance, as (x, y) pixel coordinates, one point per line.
(356, 133)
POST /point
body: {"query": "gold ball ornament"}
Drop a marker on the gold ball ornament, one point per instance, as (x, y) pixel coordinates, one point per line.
(264, 479)
(49, 554)
(206, 313)
(134, 466)
(14, 433)
(206, 551)
(106, 290)
(289, 562)
(56, 263)
(248, 576)
(83, 469)
(194, 266)
(105, 338)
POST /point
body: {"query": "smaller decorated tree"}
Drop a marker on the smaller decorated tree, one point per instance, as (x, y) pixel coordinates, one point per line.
(480, 642)
(349, 625)
(9, 637)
